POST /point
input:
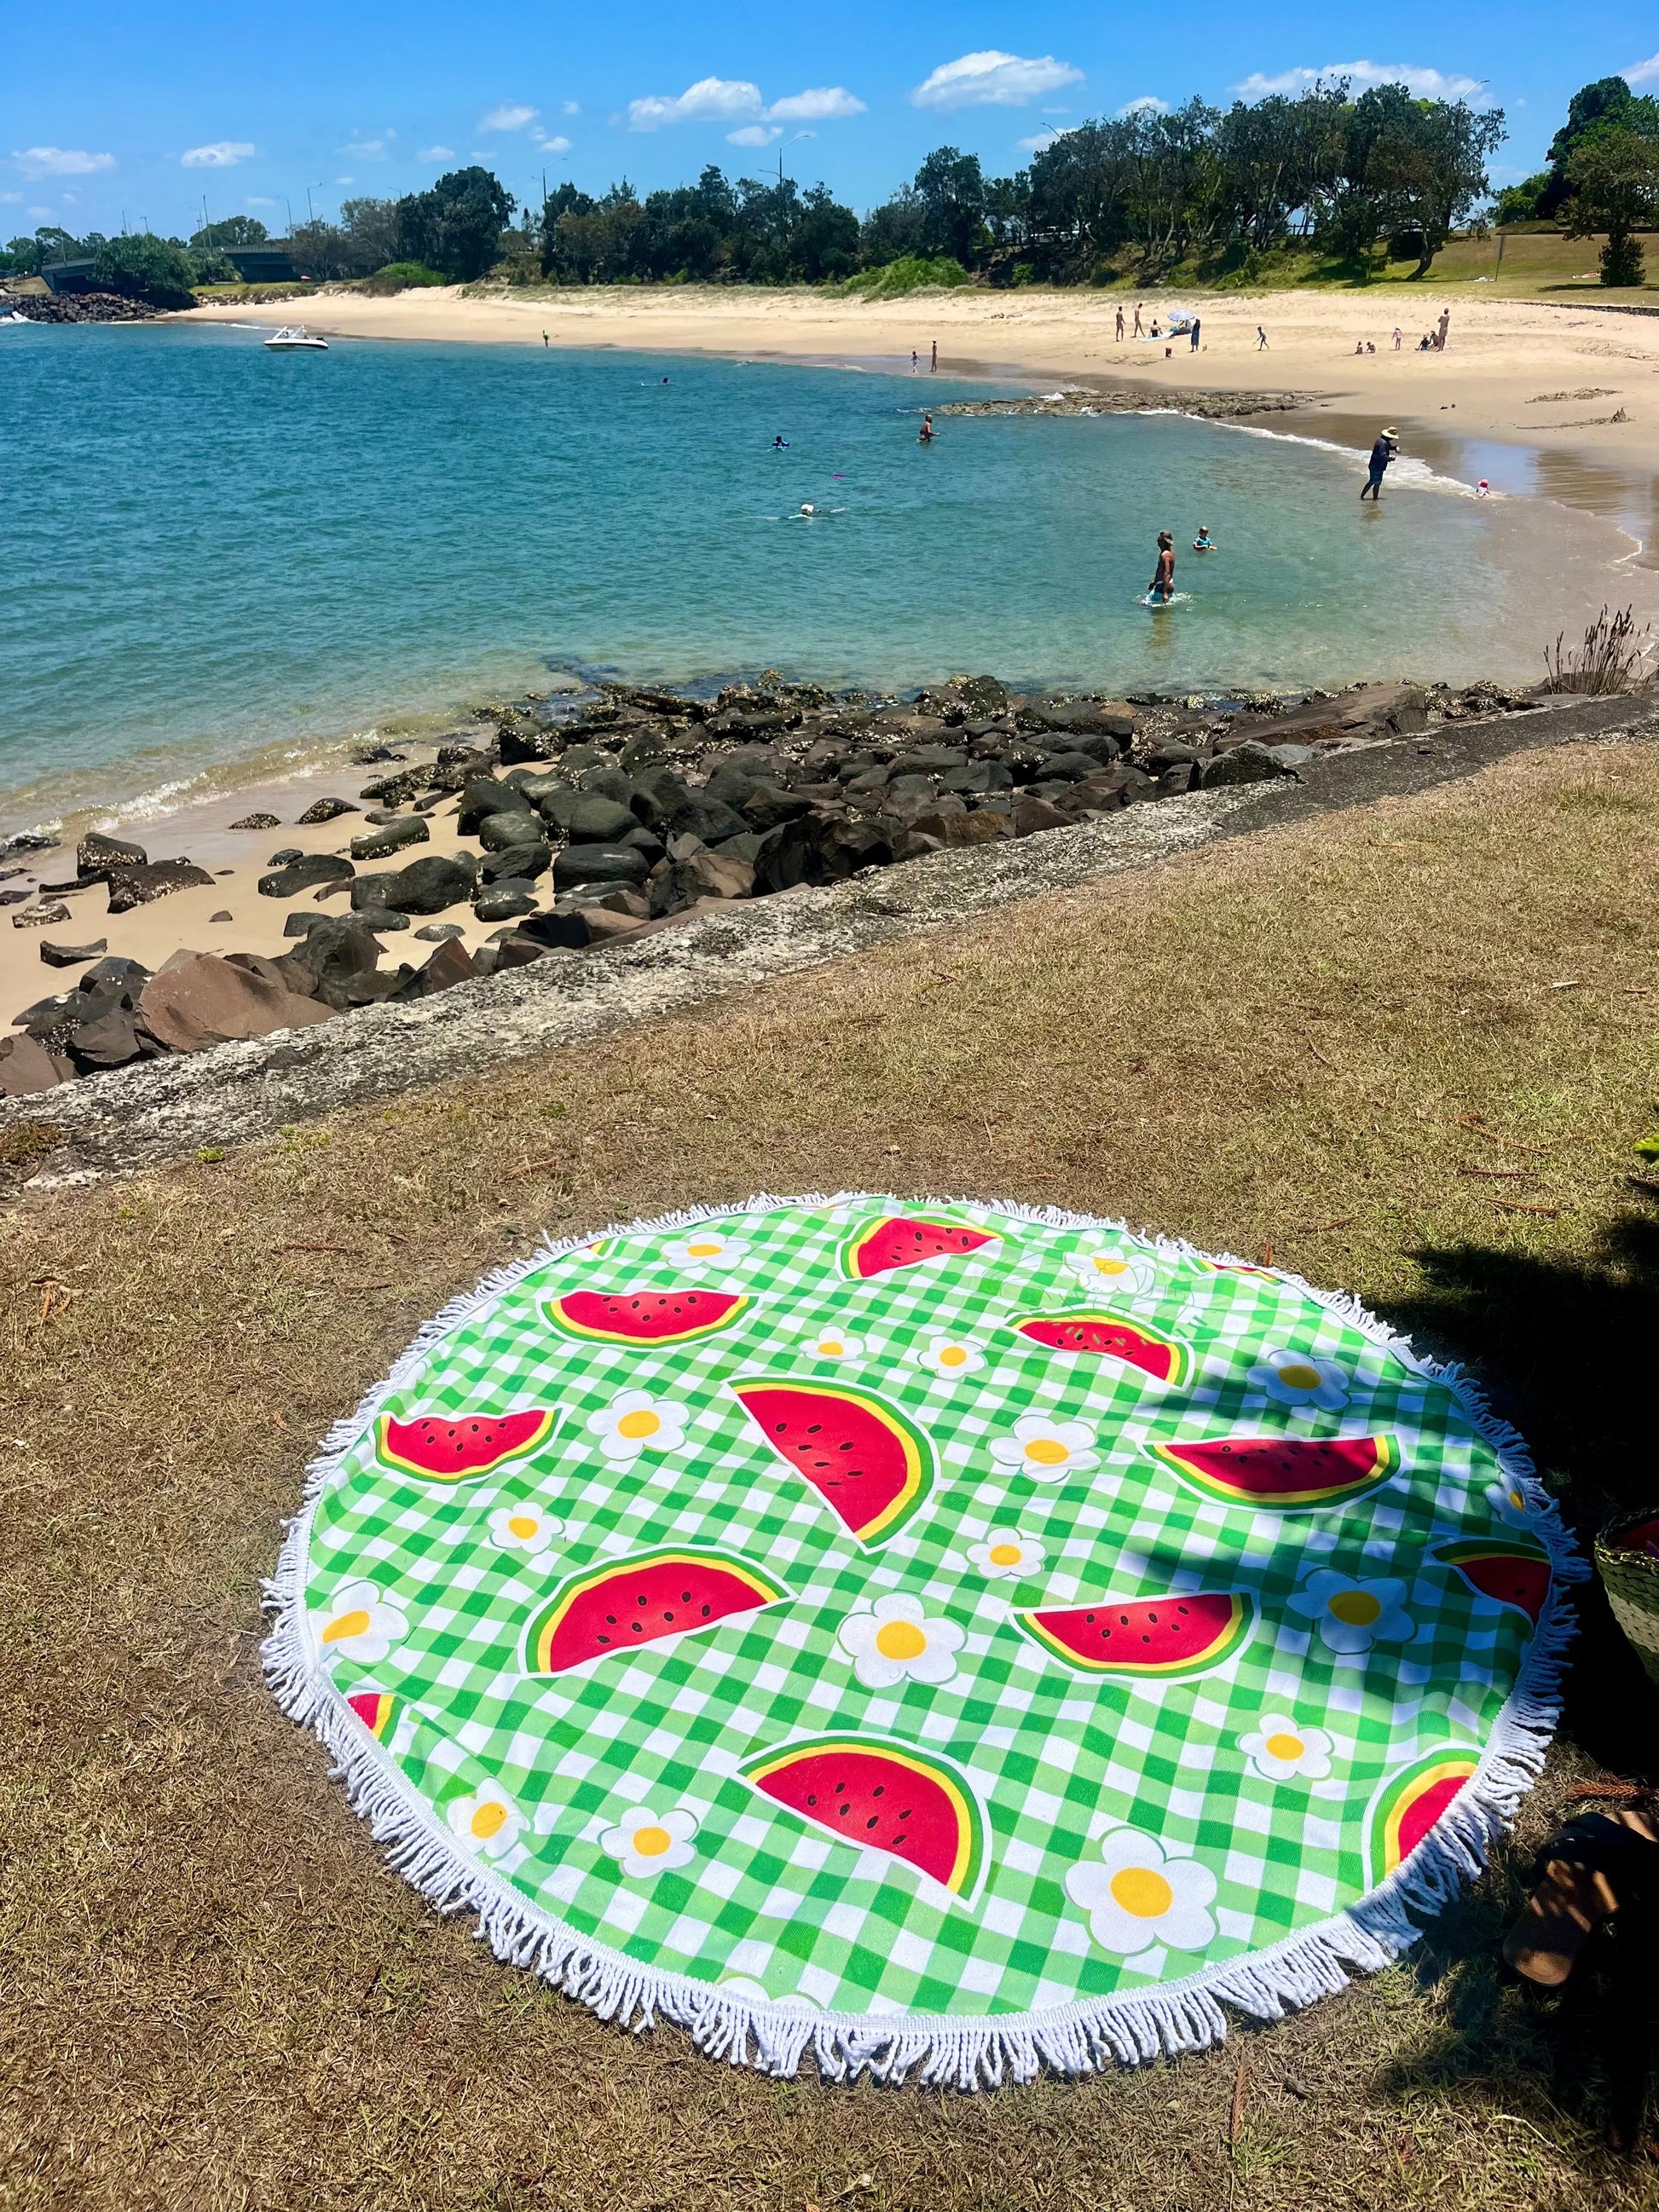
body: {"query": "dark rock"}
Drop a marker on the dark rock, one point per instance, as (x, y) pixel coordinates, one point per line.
(565, 928)
(659, 793)
(505, 902)
(31, 840)
(440, 932)
(305, 874)
(845, 845)
(113, 1041)
(392, 837)
(96, 857)
(596, 820)
(522, 741)
(514, 825)
(915, 845)
(705, 875)
(1170, 752)
(15, 898)
(285, 856)
(450, 964)
(1080, 717)
(257, 822)
(734, 779)
(27, 1067)
(1183, 776)
(707, 819)
(519, 864)
(485, 797)
(394, 790)
(126, 977)
(47, 914)
(133, 887)
(964, 695)
(926, 760)
(325, 810)
(329, 959)
(1032, 815)
(197, 1000)
(979, 775)
(223, 914)
(1409, 713)
(767, 805)
(599, 864)
(642, 840)
(515, 951)
(71, 956)
(739, 848)
(425, 886)
(964, 828)
(1246, 763)
(372, 756)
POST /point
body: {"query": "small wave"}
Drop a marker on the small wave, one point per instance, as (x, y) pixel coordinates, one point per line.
(1403, 469)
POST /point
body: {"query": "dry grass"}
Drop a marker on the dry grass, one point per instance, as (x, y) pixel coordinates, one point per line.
(213, 1994)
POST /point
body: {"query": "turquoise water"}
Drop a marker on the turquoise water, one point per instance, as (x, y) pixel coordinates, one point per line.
(210, 550)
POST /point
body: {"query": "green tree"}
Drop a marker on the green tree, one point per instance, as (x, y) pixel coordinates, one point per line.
(950, 188)
(236, 230)
(456, 226)
(371, 229)
(147, 268)
(1520, 203)
(1607, 105)
(1614, 177)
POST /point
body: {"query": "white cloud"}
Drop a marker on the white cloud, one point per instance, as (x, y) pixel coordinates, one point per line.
(60, 161)
(345, 180)
(223, 153)
(509, 117)
(1040, 141)
(10, 196)
(367, 149)
(571, 106)
(1148, 104)
(711, 100)
(1643, 72)
(754, 134)
(825, 103)
(257, 199)
(992, 79)
(437, 153)
(549, 145)
(1426, 83)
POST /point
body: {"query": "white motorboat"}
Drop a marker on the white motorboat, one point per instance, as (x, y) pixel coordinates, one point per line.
(294, 338)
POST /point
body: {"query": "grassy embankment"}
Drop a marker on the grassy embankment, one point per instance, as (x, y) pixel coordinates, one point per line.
(1407, 1049)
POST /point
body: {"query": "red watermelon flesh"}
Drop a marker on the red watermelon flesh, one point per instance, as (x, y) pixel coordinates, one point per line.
(875, 1803)
(645, 1316)
(640, 1603)
(1103, 1333)
(452, 1451)
(901, 1243)
(1278, 1470)
(1177, 1634)
(1510, 1577)
(1420, 1816)
(866, 1468)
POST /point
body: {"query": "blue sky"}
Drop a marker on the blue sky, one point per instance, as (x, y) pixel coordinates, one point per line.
(113, 109)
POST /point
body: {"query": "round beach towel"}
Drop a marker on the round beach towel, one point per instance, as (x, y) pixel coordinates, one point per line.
(925, 1637)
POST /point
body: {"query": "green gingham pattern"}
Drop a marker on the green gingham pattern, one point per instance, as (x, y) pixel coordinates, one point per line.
(519, 1792)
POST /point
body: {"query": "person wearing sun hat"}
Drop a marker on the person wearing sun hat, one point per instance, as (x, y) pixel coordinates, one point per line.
(1387, 446)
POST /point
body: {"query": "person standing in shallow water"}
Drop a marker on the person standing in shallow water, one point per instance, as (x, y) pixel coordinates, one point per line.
(1383, 451)
(1162, 586)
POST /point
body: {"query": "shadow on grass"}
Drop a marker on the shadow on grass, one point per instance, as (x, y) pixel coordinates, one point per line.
(1567, 1350)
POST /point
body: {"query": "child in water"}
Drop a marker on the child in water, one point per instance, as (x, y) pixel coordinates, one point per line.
(1204, 543)
(1161, 590)
(925, 436)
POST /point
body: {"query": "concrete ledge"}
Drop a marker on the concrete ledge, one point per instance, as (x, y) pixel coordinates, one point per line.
(169, 1109)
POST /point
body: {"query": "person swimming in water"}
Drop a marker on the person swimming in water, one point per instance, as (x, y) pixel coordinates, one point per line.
(780, 444)
(1162, 587)
(1204, 543)
(925, 436)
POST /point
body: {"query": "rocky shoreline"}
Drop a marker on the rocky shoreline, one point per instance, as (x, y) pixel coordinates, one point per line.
(578, 825)
(1119, 399)
(77, 308)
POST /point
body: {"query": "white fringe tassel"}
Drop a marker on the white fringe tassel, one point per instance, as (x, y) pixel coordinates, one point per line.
(937, 2051)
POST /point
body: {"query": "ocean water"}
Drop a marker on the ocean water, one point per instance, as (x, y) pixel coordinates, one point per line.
(210, 553)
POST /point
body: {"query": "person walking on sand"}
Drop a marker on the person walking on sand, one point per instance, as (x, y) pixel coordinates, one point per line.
(1397, 334)
(1138, 333)
(932, 366)
(1119, 322)
(1445, 324)
(1197, 326)
(1162, 587)
(1261, 345)
(915, 360)
(1383, 453)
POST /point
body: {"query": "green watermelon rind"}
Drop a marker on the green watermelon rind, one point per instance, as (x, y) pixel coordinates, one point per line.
(553, 1419)
(966, 1893)
(1217, 1654)
(1181, 1352)
(941, 1217)
(1390, 1793)
(871, 1402)
(1388, 1462)
(586, 1579)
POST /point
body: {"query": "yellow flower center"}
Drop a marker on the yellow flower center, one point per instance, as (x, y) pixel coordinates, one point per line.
(638, 1424)
(1048, 1451)
(953, 1355)
(651, 1843)
(832, 1347)
(346, 1624)
(1005, 1555)
(488, 1820)
(523, 1525)
(1357, 1608)
(900, 1639)
(710, 1247)
(1298, 1376)
(1284, 1747)
(1106, 1264)
(1142, 1891)
(1517, 1500)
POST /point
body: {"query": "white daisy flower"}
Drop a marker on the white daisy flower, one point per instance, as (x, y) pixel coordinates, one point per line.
(950, 1358)
(1007, 1555)
(1116, 1267)
(486, 1822)
(524, 1526)
(645, 1842)
(359, 1622)
(832, 1343)
(701, 1250)
(1510, 1505)
(1353, 1615)
(1301, 1379)
(1046, 1449)
(895, 1641)
(636, 1422)
(1283, 1748)
(1138, 1894)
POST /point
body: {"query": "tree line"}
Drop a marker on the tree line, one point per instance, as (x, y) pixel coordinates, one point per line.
(1356, 179)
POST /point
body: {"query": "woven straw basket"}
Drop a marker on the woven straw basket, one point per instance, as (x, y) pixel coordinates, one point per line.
(1631, 1578)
